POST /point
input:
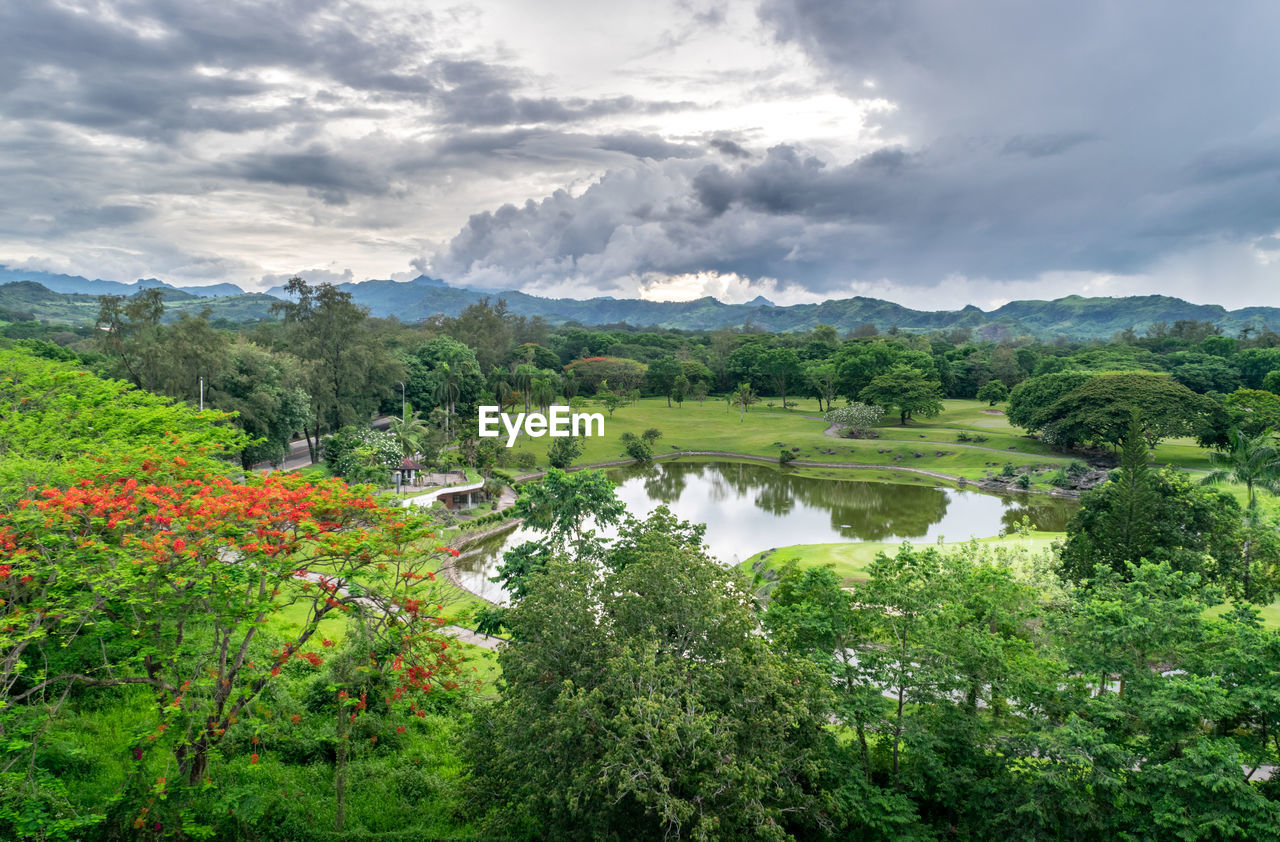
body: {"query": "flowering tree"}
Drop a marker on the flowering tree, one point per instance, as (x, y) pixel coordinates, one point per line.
(180, 581)
(857, 417)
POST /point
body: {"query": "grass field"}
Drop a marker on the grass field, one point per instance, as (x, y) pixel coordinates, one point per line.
(850, 559)
(925, 445)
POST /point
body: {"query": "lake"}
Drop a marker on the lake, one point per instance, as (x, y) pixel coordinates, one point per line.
(751, 507)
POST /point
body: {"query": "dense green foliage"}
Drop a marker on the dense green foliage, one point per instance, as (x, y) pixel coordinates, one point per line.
(1153, 516)
(659, 709)
(1092, 694)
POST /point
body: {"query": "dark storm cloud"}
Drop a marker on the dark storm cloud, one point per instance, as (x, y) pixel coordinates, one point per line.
(647, 146)
(106, 216)
(1088, 137)
(161, 70)
(145, 69)
(729, 148)
(331, 178)
(1103, 112)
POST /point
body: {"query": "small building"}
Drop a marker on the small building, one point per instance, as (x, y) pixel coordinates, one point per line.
(409, 469)
(460, 499)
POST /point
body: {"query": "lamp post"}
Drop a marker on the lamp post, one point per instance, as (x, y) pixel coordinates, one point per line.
(402, 404)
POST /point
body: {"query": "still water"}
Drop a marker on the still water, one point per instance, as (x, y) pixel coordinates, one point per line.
(748, 508)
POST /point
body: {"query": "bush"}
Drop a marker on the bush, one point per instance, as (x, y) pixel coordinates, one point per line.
(636, 447)
(859, 417)
(563, 451)
(785, 457)
(1024, 481)
(526, 461)
(361, 455)
(1008, 470)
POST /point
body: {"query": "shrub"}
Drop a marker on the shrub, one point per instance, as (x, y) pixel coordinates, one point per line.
(636, 447)
(526, 461)
(859, 417)
(563, 451)
(361, 455)
(1007, 469)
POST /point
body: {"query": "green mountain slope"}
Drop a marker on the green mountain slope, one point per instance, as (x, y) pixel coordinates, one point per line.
(1074, 316)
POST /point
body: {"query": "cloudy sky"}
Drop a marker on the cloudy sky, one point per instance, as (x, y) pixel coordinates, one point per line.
(932, 153)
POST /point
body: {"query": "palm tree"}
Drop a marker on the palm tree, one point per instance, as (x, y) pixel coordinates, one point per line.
(543, 390)
(447, 390)
(743, 398)
(408, 432)
(1254, 462)
(522, 377)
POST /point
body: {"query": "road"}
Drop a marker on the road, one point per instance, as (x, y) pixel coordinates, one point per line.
(300, 457)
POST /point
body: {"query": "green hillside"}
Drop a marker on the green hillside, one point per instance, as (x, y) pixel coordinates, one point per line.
(1074, 316)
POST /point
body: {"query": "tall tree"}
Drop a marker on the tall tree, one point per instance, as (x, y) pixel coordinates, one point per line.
(743, 397)
(348, 372)
(661, 709)
(909, 389)
(1142, 515)
(661, 376)
(265, 392)
(780, 368)
(1254, 462)
(132, 333)
(823, 378)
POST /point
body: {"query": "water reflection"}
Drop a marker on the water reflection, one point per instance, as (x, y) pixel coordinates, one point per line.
(749, 507)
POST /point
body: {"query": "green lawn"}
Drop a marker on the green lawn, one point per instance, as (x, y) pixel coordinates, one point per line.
(850, 559)
(928, 445)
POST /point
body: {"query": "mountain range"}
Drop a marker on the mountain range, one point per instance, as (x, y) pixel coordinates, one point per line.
(70, 299)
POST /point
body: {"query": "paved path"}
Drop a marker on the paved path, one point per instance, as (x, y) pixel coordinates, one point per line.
(462, 633)
(299, 455)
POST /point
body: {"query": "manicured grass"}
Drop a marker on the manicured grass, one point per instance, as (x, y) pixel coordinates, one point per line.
(763, 432)
(850, 559)
(1270, 613)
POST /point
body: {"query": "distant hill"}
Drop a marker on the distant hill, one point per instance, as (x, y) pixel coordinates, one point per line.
(1075, 317)
(28, 300)
(84, 286)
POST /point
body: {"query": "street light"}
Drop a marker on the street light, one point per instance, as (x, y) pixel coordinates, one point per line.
(402, 411)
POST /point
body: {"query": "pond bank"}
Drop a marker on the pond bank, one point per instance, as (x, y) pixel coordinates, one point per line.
(958, 481)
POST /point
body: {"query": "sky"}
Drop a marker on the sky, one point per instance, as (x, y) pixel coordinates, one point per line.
(935, 154)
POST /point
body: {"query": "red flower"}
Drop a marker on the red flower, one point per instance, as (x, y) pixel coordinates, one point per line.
(399, 729)
(179, 545)
(253, 758)
(25, 579)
